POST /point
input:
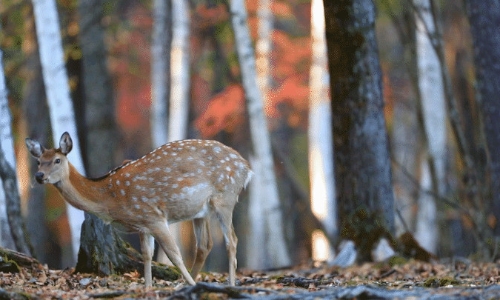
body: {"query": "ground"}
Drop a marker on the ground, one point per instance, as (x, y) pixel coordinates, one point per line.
(459, 278)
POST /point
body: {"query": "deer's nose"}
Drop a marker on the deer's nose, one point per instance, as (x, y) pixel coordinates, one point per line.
(39, 177)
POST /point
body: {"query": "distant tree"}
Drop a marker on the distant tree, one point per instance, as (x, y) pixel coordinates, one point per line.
(58, 95)
(321, 174)
(179, 72)
(160, 70)
(35, 110)
(433, 106)
(484, 19)
(267, 233)
(100, 246)
(12, 229)
(362, 165)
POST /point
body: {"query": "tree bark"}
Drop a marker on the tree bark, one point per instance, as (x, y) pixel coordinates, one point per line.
(484, 19)
(362, 165)
(35, 110)
(12, 208)
(102, 251)
(431, 94)
(160, 70)
(179, 72)
(58, 95)
(265, 212)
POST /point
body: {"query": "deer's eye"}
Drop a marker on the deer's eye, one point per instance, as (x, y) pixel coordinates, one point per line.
(57, 161)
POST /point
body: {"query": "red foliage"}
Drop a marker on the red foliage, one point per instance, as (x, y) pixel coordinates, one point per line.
(224, 112)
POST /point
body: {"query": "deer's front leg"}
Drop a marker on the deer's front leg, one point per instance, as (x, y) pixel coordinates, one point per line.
(147, 248)
(162, 234)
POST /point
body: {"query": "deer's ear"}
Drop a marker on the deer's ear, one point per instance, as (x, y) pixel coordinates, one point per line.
(65, 143)
(34, 147)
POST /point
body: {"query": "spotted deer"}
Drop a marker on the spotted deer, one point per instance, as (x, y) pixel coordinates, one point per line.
(182, 180)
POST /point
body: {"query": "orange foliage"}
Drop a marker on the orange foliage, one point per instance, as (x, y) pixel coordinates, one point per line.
(281, 9)
(130, 65)
(224, 112)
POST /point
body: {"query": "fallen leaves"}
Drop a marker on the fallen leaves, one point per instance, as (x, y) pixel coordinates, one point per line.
(419, 277)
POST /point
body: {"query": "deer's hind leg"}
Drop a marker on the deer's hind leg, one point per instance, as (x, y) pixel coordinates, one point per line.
(204, 243)
(224, 214)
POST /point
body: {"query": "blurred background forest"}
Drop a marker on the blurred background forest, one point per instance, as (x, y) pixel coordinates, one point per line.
(458, 209)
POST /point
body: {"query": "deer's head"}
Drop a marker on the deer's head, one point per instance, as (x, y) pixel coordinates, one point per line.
(53, 164)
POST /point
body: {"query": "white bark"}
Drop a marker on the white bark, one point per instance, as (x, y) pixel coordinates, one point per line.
(433, 106)
(62, 115)
(267, 199)
(159, 75)
(179, 66)
(263, 47)
(7, 145)
(322, 181)
(427, 230)
(179, 92)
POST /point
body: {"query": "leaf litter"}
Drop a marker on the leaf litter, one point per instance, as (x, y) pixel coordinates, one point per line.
(460, 278)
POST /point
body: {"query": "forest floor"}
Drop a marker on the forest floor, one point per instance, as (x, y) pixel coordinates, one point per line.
(412, 279)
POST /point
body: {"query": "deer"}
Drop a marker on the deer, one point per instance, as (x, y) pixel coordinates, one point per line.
(181, 180)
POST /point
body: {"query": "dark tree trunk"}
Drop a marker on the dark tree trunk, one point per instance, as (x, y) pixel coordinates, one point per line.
(35, 110)
(484, 19)
(362, 165)
(13, 204)
(102, 251)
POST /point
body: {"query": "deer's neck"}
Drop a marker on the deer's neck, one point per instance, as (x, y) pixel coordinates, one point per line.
(83, 193)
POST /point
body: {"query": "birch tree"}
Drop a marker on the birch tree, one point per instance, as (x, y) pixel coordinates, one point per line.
(179, 83)
(58, 95)
(179, 72)
(266, 226)
(320, 150)
(432, 101)
(6, 239)
(263, 46)
(160, 67)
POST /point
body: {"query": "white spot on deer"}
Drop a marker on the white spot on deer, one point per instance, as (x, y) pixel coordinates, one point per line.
(122, 192)
(228, 168)
(127, 183)
(134, 199)
(127, 174)
(217, 149)
(118, 182)
(144, 199)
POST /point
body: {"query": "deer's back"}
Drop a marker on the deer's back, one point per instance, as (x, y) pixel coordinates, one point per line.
(178, 180)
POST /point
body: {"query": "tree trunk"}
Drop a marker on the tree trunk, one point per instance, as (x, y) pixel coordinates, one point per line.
(322, 181)
(430, 85)
(362, 165)
(101, 249)
(58, 95)
(484, 19)
(160, 70)
(179, 72)
(179, 94)
(265, 213)
(36, 112)
(13, 229)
